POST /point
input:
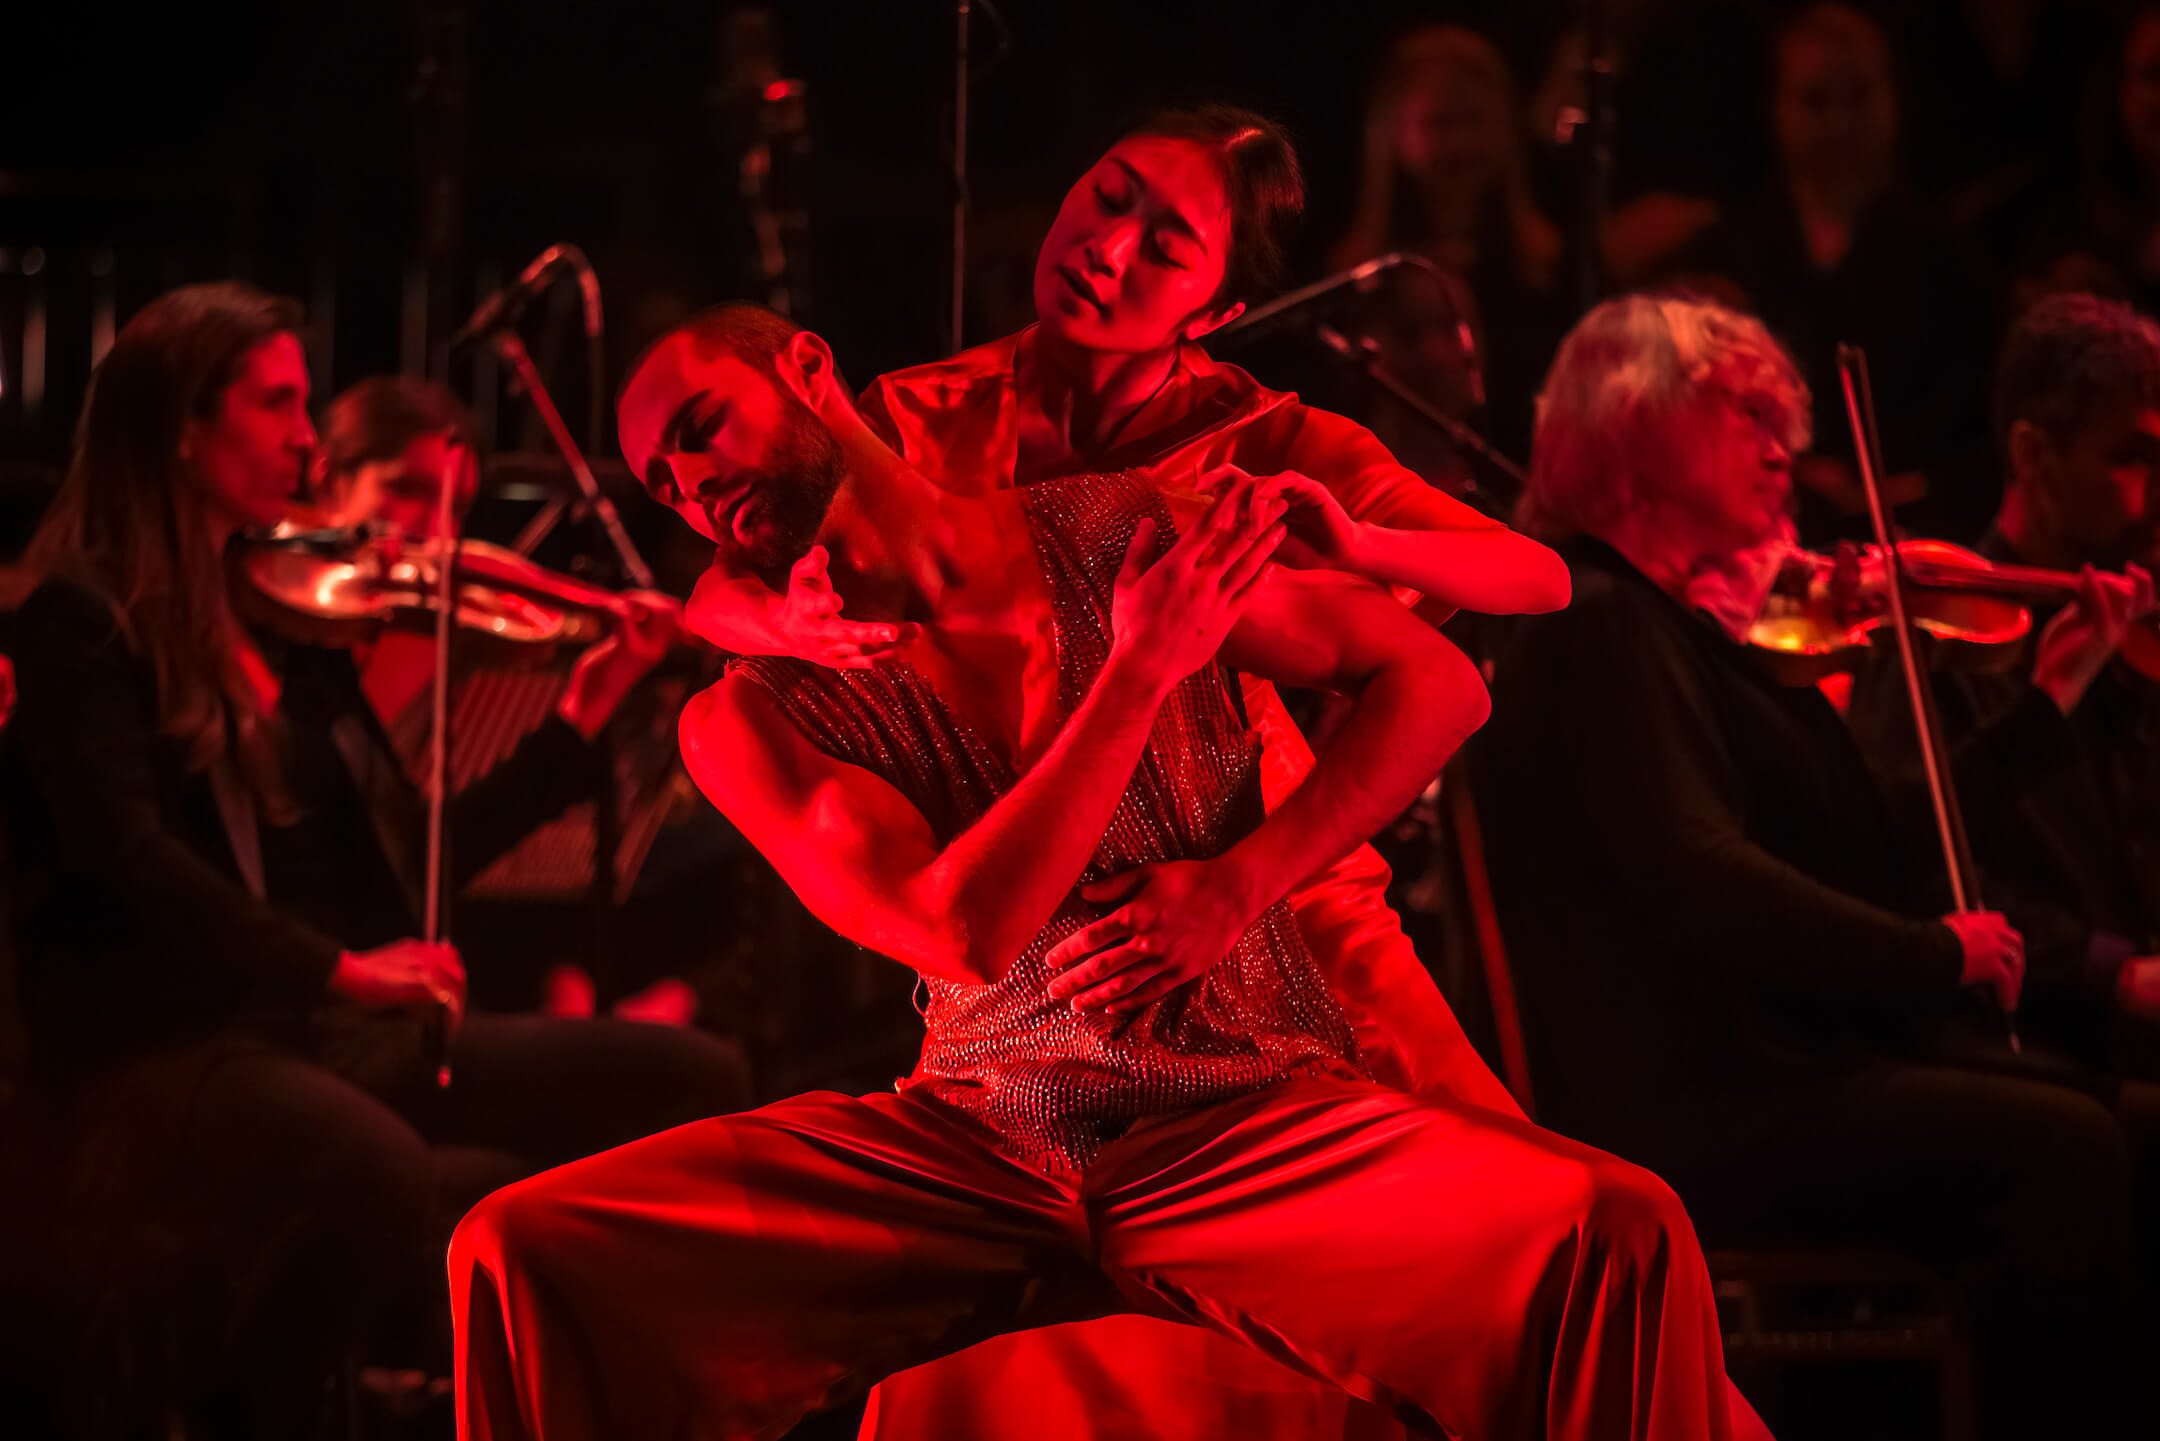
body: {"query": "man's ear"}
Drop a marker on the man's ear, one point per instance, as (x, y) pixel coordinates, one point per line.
(809, 370)
(1207, 322)
(2032, 461)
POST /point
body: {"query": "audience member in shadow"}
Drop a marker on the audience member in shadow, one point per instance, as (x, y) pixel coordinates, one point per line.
(1446, 176)
(2102, 234)
(1836, 251)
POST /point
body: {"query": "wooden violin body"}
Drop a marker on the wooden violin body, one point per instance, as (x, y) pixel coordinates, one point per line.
(1823, 609)
(340, 588)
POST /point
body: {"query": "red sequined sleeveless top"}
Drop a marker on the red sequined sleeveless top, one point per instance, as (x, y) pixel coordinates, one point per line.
(1050, 1084)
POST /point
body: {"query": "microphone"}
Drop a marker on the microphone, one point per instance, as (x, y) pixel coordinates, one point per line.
(501, 308)
(1263, 318)
(1286, 308)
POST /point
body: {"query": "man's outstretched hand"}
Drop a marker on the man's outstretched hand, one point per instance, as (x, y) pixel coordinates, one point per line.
(1174, 920)
(804, 621)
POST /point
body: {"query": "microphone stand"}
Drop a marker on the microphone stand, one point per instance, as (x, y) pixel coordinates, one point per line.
(527, 378)
(1594, 180)
(959, 170)
(1365, 355)
(965, 73)
(496, 320)
(1262, 318)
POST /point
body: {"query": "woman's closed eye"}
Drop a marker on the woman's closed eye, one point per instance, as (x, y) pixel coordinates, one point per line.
(1173, 255)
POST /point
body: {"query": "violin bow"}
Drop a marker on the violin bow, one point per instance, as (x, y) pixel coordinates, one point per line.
(439, 746)
(1927, 723)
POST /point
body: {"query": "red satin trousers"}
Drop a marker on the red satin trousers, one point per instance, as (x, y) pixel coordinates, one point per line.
(1477, 1276)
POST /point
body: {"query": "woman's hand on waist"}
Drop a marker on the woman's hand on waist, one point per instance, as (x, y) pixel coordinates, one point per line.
(1174, 920)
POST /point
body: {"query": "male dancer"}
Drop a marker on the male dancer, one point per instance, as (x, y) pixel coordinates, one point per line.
(1213, 1155)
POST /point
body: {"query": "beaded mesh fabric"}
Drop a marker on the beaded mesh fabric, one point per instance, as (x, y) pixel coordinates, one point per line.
(1050, 1084)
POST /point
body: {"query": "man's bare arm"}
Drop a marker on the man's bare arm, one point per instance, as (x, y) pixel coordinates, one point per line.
(1418, 698)
(864, 860)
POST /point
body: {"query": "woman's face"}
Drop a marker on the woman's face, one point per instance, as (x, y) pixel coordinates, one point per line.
(1452, 124)
(250, 455)
(1836, 109)
(2140, 93)
(1135, 258)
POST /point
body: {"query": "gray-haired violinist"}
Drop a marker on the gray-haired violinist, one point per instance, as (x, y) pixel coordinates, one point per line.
(1749, 958)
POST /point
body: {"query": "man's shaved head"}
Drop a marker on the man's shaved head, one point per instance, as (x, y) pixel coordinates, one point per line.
(751, 333)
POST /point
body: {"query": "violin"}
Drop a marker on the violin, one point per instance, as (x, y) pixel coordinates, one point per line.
(344, 587)
(1822, 609)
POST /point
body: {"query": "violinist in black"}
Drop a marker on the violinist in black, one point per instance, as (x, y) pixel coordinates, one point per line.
(2065, 825)
(231, 1117)
(1726, 963)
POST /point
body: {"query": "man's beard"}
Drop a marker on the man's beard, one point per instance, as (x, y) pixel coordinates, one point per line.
(791, 493)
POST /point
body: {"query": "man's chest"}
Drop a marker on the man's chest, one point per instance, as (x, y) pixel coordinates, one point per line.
(987, 642)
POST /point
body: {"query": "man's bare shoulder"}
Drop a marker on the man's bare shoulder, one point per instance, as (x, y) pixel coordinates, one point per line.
(731, 720)
(698, 713)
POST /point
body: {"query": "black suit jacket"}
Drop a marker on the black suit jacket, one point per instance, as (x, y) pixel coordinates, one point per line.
(134, 926)
(1702, 890)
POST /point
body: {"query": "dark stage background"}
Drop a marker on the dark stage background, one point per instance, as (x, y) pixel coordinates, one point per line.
(327, 150)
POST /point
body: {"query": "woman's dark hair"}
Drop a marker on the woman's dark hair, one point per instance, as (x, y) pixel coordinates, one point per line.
(1258, 166)
(130, 526)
